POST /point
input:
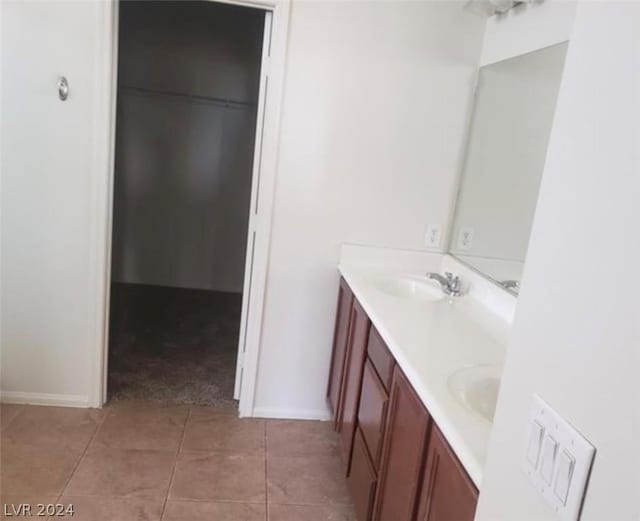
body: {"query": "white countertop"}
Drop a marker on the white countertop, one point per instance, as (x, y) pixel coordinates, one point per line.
(431, 340)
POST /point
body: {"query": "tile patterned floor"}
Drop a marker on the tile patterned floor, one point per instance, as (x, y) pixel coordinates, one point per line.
(136, 461)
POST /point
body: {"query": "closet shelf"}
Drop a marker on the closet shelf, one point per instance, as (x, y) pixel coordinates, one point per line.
(190, 97)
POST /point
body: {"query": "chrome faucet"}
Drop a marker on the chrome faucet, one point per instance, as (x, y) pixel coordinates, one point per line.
(511, 284)
(451, 285)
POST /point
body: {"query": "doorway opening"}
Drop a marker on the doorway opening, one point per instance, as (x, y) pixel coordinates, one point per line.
(188, 101)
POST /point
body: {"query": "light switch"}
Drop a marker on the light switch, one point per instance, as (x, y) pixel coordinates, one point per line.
(563, 477)
(535, 440)
(564, 459)
(549, 448)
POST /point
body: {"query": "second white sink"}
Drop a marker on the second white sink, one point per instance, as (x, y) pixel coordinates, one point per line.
(476, 388)
(411, 287)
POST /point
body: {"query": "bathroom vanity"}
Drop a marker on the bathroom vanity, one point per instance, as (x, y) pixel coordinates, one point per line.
(416, 363)
(412, 372)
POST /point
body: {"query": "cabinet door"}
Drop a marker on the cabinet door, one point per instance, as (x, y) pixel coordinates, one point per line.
(340, 337)
(448, 494)
(403, 453)
(372, 411)
(362, 479)
(352, 380)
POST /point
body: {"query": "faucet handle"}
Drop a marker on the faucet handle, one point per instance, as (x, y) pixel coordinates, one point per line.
(454, 283)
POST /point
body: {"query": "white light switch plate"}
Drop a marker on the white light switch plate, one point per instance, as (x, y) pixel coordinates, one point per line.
(573, 451)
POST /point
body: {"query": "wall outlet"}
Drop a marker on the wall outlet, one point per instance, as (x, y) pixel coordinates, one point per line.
(557, 460)
(465, 238)
(433, 236)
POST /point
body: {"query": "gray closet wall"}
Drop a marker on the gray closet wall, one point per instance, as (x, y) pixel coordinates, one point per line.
(187, 98)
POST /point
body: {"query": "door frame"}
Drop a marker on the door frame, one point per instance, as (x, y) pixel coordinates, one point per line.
(262, 199)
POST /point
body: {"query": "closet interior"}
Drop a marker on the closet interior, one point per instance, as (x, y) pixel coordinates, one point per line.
(188, 90)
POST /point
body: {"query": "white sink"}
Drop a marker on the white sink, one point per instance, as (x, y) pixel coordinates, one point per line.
(411, 287)
(476, 388)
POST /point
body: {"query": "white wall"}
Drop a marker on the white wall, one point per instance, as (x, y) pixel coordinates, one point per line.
(50, 273)
(575, 339)
(375, 106)
(529, 27)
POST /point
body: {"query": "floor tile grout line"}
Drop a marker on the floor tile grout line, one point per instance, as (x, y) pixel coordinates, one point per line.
(177, 499)
(84, 453)
(21, 409)
(175, 463)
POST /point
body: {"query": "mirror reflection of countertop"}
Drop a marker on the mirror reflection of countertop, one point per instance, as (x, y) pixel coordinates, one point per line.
(433, 340)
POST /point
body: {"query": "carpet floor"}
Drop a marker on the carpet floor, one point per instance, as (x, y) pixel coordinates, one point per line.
(173, 345)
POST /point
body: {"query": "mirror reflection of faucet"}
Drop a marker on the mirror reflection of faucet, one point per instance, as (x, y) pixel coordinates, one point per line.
(451, 285)
(513, 285)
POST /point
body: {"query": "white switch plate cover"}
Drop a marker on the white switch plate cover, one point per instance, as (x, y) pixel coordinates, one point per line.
(465, 238)
(433, 236)
(569, 440)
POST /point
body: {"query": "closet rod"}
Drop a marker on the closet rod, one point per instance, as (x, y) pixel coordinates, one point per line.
(190, 97)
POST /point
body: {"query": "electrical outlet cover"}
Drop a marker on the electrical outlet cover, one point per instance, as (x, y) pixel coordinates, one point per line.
(433, 236)
(465, 238)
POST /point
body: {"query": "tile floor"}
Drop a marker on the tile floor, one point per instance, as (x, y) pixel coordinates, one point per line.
(135, 461)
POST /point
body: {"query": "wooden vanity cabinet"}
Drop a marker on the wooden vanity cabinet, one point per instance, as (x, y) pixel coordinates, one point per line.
(448, 494)
(399, 466)
(403, 453)
(340, 338)
(352, 380)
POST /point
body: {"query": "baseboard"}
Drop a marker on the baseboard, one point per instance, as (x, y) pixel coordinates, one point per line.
(291, 414)
(61, 400)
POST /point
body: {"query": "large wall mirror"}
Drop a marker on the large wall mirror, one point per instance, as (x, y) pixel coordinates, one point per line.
(512, 116)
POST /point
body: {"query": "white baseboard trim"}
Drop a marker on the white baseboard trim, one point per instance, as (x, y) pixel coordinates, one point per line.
(61, 400)
(291, 414)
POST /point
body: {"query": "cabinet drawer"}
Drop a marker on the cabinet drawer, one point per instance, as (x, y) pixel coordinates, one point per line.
(361, 479)
(380, 357)
(372, 411)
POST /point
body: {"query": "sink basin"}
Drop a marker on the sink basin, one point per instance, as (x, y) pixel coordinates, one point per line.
(476, 388)
(411, 287)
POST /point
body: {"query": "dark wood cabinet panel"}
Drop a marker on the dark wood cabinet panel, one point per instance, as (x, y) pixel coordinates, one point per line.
(399, 467)
(448, 494)
(352, 380)
(403, 453)
(381, 357)
(361, 479)
(340, 338)
(372, 412)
